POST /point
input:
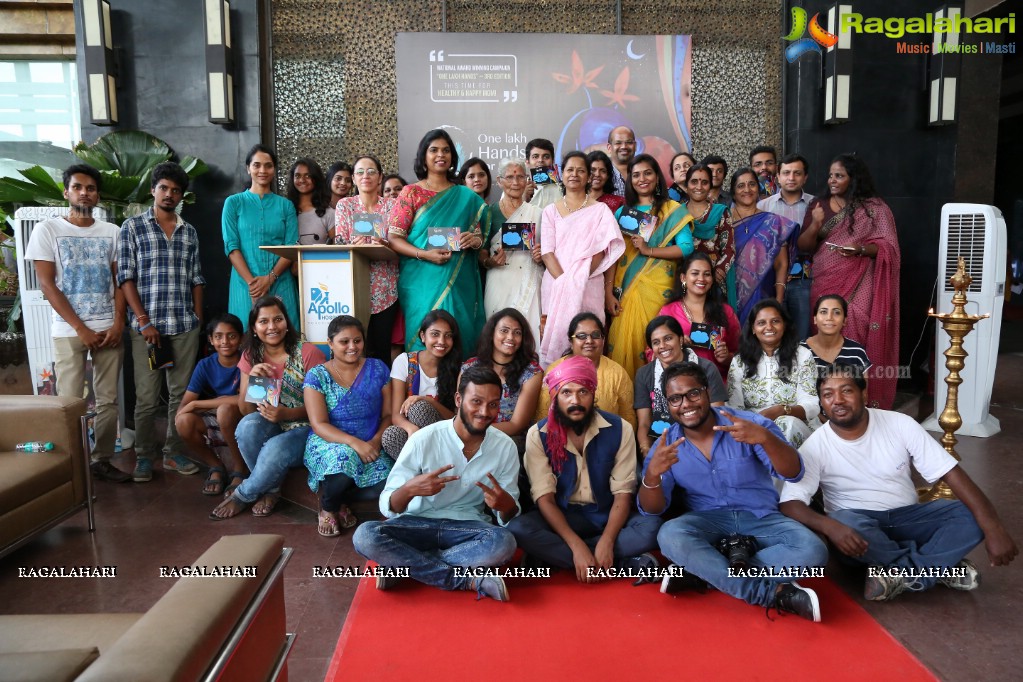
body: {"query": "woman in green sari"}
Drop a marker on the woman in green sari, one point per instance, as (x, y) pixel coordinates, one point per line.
(712, 228)
(645, 275)
(439, 278)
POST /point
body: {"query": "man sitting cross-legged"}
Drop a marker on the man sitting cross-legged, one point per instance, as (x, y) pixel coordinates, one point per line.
(581, 463)
(723, 460)
(437, 495)
(861, 461)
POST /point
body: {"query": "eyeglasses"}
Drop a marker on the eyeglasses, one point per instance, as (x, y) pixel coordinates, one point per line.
(368, 172)
(692, 396)
(582, 336)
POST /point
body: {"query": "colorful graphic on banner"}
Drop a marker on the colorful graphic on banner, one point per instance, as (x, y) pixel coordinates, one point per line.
(327, 280)
(493, 92)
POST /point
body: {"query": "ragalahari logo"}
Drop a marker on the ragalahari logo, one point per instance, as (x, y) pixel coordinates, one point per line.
(818, 36)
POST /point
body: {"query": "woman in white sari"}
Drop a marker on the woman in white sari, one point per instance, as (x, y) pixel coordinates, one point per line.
(513, 275)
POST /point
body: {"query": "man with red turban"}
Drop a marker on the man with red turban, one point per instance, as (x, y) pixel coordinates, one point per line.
(581, 463)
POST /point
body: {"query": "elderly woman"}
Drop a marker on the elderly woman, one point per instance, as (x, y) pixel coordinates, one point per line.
(513, 275)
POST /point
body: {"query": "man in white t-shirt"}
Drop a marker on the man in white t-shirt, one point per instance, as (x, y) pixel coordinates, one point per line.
(76, 263)
(861, 460)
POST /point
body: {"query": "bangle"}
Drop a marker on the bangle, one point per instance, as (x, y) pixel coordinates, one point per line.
(146, 326)
(274, 275)
(779, 284)
(417, 255)
(863, 250)
(650, 487)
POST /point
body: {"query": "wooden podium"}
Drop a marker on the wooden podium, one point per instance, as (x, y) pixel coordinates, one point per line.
(332, 280)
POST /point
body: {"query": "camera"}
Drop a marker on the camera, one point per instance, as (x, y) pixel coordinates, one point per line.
(738, 549)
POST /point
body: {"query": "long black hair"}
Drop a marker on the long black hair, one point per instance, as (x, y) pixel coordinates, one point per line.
(471, 163)
(321, 191)
(419, 166)
(524, 356)
(450, 364)
(714, 305)
(861, 186)
(660, 192)
(252, 344)
(597, 155)
(750, 350)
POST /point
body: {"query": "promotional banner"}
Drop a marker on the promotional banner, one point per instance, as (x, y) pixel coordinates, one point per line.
(493, 92)
(327, 292)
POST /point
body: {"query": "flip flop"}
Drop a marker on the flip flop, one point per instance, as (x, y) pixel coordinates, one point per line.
(346, 519)
(240, 507)
(327, 521)
(233, 486)
(218, 484)
(268, 502)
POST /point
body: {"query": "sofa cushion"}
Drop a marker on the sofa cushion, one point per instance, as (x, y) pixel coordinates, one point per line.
(27, 476)
(40, 632)
(46, 666)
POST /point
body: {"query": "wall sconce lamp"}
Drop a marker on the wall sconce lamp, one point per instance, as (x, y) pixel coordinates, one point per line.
(944, 68)
(837, 68)
(219, 62)
(99, 62)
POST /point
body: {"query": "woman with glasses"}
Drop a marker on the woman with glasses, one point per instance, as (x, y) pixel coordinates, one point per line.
(773, 375)
(383, 274)
(614, 387)
(664, 336)
(513, 269)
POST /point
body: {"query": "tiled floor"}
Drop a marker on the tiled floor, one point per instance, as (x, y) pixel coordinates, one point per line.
(960, 636)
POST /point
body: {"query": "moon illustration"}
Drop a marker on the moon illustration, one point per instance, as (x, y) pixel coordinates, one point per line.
(633, 55)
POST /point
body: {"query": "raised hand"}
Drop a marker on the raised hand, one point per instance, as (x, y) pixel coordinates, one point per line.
(431, 483)
(743, 430)
(496, 497)
(664, 457)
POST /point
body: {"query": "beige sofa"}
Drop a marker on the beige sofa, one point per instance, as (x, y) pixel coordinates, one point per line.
(203, 628)
(39, 490)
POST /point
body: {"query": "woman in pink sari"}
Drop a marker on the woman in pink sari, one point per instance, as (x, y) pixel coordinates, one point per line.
(579, 240)
(851, 231)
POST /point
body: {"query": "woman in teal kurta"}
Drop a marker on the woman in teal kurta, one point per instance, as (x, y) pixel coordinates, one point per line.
(254, 218)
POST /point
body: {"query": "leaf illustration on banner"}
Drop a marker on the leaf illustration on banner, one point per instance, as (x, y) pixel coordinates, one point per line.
(580, 76)
(620, 96)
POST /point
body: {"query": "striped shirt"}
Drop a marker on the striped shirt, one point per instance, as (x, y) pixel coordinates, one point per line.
(164, 271)
(851, 353)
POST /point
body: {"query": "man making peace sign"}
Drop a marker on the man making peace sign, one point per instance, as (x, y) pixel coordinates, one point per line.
(723, 460)
(438, 494)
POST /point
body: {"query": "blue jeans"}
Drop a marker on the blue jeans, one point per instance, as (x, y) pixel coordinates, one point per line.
(534, 535)
(797, 303)
(430, 548)
(269, 452)
(690, 541)
(929, 535)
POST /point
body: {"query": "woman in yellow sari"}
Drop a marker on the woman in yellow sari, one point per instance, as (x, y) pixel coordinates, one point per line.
(643, 279)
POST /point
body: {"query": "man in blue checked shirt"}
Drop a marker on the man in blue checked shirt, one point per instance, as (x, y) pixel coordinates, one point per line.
(158, 271)
(723, 460)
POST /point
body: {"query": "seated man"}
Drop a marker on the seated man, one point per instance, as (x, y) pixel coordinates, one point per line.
(860, 459)
(581, 463)
(435, 496)
(723, 460)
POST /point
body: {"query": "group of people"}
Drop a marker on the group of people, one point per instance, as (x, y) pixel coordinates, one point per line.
(620, 368)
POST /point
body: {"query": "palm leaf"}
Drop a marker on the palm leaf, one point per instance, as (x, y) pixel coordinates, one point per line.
(193, 166)
(130, 152)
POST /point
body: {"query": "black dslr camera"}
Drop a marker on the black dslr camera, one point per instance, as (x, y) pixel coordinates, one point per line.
(738, 549)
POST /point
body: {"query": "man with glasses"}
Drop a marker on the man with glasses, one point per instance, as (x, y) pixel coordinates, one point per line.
(723, 461)
(621, 147)
(581, 463)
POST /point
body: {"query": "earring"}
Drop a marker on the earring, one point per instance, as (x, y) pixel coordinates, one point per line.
(683, 288)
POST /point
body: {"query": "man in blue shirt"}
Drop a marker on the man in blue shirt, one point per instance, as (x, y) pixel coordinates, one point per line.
(439, 497)
(723, 461)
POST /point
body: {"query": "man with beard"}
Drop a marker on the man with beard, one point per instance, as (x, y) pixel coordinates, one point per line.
(581, 463)
(764, 162)
(718, 170)
(540, 154)
(621, 147)
(158, 271)
(437, 496)
(723, 461)
(76, 263)
(861, 461)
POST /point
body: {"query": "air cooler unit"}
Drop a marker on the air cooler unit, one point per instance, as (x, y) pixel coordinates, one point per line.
(976, 233)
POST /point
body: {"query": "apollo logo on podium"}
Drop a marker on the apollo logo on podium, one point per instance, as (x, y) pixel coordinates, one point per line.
(321, 307)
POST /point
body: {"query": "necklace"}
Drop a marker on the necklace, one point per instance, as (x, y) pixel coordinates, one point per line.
(506, 206)
(689, 314)
(338, 377)
(564, 201)
(742, 217)
(693, 213)
(428, 185)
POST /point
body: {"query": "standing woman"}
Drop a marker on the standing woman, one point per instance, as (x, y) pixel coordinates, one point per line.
(602, 186)
(348, 399)
(645, 275)
(438, 278)
(307, 189)
(339, 180)
(383, 274)
(852, 233)
(579, 241)
(712, 229)
(513, 277)
(697, 302)
(475, 174)
(680, 165)
(763, 243)
(392, 185)
(254, 218)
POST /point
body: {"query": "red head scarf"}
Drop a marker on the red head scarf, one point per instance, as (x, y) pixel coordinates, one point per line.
(574, 369)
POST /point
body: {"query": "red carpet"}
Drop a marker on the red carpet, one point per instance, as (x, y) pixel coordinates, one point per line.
(559, 629)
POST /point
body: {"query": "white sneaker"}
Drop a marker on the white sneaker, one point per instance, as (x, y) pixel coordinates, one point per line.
(965, 583)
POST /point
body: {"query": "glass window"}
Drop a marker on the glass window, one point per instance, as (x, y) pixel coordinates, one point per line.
(39, 103)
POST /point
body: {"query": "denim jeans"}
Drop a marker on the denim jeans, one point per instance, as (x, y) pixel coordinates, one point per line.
(269, 452)
(935, 534)
(690, 541)
(430, 548)
(535, 537)
(797, 303)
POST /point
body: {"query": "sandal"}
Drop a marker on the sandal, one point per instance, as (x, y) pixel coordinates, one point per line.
(266, 504)
(346, 519)
(327, 526)
(214, 486)
(233, 505)
(233, 486)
